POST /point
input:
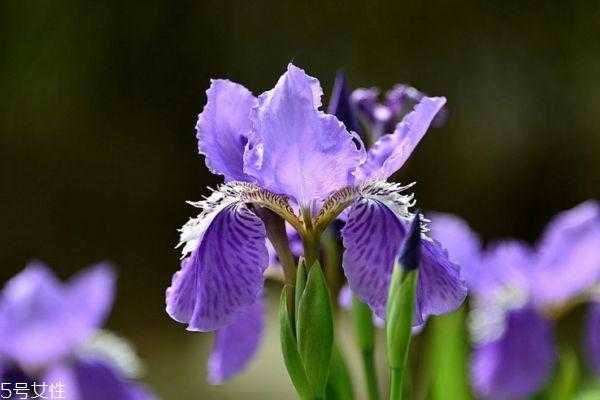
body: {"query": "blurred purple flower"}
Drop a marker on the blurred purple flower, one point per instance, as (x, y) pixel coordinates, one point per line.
(514, 285)
(380, 118)
(281, 152)
(44, 325)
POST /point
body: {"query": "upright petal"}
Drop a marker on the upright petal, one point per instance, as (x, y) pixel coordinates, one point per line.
(592, 337)
(223, 128)
(390, 152)
(42, 320)
(508, 267)
(339, 103)
(372, 238)
(236, 344)
(569, 250)
(519, 363)
(440, 289)
(90, 294)
(462, 243)
(223, 276)
(295, 143)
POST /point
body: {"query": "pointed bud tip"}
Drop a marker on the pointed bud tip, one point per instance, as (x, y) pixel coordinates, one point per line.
(410, 252)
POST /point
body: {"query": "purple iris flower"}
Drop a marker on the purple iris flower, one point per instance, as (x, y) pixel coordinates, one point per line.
(380, 118)
(515, 288)
(280, 152)
(47, 329)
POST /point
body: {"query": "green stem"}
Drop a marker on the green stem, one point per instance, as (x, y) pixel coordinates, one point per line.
(368, 360)
(396, 389)
(365, 337)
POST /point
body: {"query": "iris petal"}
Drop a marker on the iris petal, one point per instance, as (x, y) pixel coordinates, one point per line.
(294, 142)
(223, 128)
(98, 380)
(517, 364)
(236, 344)
(569, 250)
(224, 275)
(463, 245)
(592, 337)
(372, 238)
(390, 152)
(42, 320)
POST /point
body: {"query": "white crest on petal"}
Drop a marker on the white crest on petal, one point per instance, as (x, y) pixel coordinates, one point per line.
(225, 195)
(115, 350)
(487, 320)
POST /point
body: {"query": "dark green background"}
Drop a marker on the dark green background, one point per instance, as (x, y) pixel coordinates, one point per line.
(99, 102)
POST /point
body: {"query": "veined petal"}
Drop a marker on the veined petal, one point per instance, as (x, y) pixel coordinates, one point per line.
(463, 245)
(592, 337)
(223, 128)
(517, 364)
(42, 320)
(440, 289)
(236, 344)
(390, 152)
(372, 237)
(569, 250)
(294, 142)
(223, 276)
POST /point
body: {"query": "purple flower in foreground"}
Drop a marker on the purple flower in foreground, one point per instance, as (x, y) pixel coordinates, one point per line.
(280, 152)
(46, 328)
(515, 287)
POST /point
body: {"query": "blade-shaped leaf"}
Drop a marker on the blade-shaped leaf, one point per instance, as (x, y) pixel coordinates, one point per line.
(289, 349)
(315, 330)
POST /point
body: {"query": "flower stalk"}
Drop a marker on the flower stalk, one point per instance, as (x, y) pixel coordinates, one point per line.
(365, 337)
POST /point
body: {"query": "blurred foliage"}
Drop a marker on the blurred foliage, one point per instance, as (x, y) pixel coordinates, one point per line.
(98, 154)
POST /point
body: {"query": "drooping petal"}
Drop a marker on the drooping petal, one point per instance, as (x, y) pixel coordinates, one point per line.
(224, 275)
(390, 152)
(569, 260)
(236, 344)
(592, 337)
(42, 320)
(62, 382)
(517, 364)
(372, 238)
(339, 103)
(96, 379)
(463, 245)
(440, 289)
(294, 142)
(223, 128)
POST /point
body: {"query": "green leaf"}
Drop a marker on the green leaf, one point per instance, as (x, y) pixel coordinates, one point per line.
(447, 359)
(339, 384)
(315, 330)
(289, 349)
(565, 380)
(300, 285)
